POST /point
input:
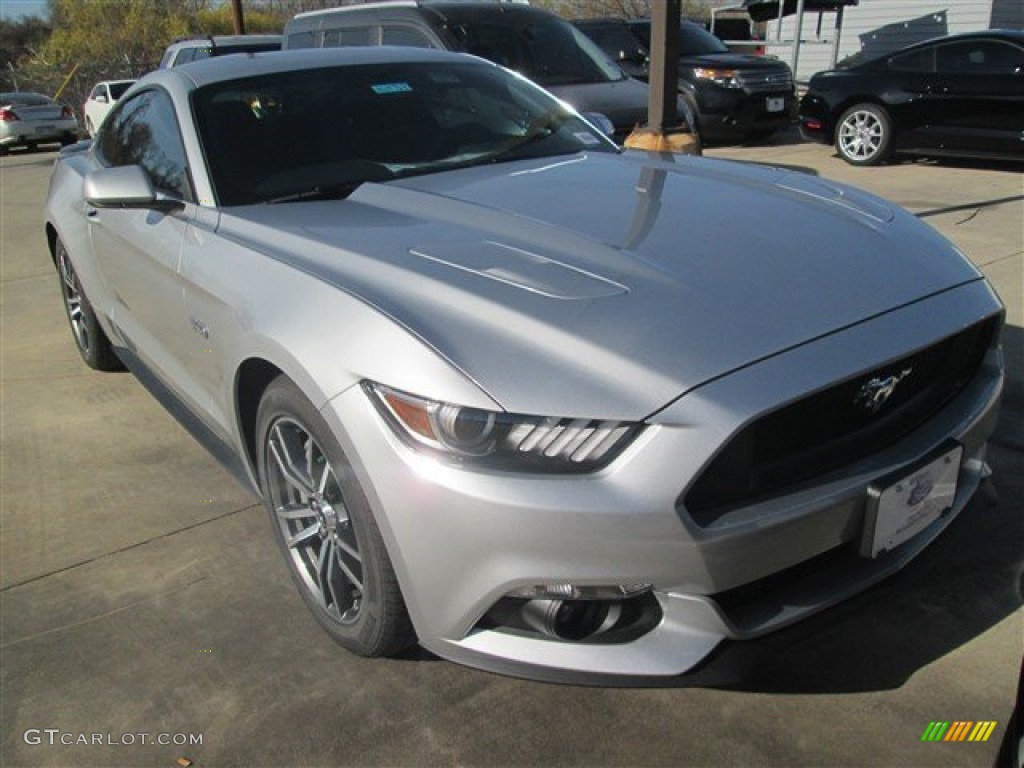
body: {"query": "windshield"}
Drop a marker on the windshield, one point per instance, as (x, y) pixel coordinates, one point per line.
(551, 52)
(321, 133)
(117, 89)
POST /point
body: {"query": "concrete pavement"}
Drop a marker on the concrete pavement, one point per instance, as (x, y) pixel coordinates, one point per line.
(141, 592)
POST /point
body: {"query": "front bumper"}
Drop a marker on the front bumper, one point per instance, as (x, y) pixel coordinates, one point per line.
(729, 113)
(460, 540)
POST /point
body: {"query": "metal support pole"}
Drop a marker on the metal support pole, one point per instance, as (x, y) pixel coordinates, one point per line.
(836, 37)
(796, 40)
(237, 17)
(663, 113)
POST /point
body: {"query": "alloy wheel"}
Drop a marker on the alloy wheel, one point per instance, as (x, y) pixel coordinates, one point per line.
(314, 521)
(861, 135)
(73, 301)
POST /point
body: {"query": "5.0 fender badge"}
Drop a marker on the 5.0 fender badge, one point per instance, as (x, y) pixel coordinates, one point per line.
(876, 392)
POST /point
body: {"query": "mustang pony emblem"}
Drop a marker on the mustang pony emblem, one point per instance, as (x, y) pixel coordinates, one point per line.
(876, 393)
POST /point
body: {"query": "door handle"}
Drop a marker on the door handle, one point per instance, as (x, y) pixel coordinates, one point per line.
(91, 214)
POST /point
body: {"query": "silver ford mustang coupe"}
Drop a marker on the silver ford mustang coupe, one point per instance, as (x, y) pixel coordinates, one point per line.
(539, 404)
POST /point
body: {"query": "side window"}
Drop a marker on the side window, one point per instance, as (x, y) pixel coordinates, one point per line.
(982, 57)
(340, 37)
(300, 40)
(144, 131)
(922, 60)
(96, 92)
(198, 54)
(405, 35)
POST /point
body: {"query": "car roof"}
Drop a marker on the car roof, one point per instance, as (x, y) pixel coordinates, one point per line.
(1009, 35)
(499, 6)
(1006, 35)
(224, 41)
(224, 68)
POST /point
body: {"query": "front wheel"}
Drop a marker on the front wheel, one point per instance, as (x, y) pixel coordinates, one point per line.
(864, 135)
(325, 528)
(92, 342)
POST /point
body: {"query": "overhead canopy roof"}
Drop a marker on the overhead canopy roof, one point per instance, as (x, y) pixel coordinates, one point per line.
(766, 10)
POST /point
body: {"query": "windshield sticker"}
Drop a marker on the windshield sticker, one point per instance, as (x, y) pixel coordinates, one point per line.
(587, 138)
(383, 88)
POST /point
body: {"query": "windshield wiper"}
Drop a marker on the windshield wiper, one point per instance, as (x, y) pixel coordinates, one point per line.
(320, 192)
(538, 130)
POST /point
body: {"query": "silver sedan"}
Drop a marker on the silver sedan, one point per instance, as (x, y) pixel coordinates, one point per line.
(29, 119)
(541, 405)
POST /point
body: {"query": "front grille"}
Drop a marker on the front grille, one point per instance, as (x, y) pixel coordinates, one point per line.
(766, 81)
(837, 426)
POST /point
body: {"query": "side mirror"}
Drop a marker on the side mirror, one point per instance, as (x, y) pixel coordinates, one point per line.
(102, 98)
(126, 186)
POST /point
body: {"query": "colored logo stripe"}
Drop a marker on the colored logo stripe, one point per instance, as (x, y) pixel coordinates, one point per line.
(982, 731)
(959, 730)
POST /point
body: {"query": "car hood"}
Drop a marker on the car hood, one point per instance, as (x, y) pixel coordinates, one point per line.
(725, 60)
(607, 286)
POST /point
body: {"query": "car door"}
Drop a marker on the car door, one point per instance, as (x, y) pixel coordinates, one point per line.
(906, 91)
(978, 96)
(139, 250)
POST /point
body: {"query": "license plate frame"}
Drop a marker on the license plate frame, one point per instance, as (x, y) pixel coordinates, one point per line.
(900, 506)
(775, 104)
(45, 130)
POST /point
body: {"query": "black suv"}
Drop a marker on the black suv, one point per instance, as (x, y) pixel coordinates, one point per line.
(732, 95)
(531, 41)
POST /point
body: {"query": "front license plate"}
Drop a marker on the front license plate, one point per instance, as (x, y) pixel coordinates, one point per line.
(776, 104)
(900, 510)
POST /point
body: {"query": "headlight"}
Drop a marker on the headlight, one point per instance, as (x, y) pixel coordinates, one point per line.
(726, 78)
(501, 440)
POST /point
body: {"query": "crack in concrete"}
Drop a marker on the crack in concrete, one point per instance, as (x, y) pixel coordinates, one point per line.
(127, 548)
(104, 615)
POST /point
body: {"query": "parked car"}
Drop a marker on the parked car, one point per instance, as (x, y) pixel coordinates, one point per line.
(731, 95)
(100, 101)
(30, 119)
(961, 95)
(531, 41)
(198, 48)
(508, 390)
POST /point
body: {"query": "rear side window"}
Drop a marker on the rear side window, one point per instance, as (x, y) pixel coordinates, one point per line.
(922, 60)
(340, 37)
(404, 35)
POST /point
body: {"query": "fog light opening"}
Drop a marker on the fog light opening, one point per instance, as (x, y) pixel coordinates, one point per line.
(571, 619)
(610, 621)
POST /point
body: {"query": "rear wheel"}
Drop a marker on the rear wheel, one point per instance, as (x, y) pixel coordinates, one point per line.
(92, 342)
(324, 527)
(864, 135)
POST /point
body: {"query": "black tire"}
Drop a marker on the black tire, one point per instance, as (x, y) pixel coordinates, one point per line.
(864, 135)
(92, 342)
(325, 528)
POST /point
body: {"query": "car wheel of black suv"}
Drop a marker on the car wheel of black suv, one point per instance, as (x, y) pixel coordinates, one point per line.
(324, 527)
(864, 135)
